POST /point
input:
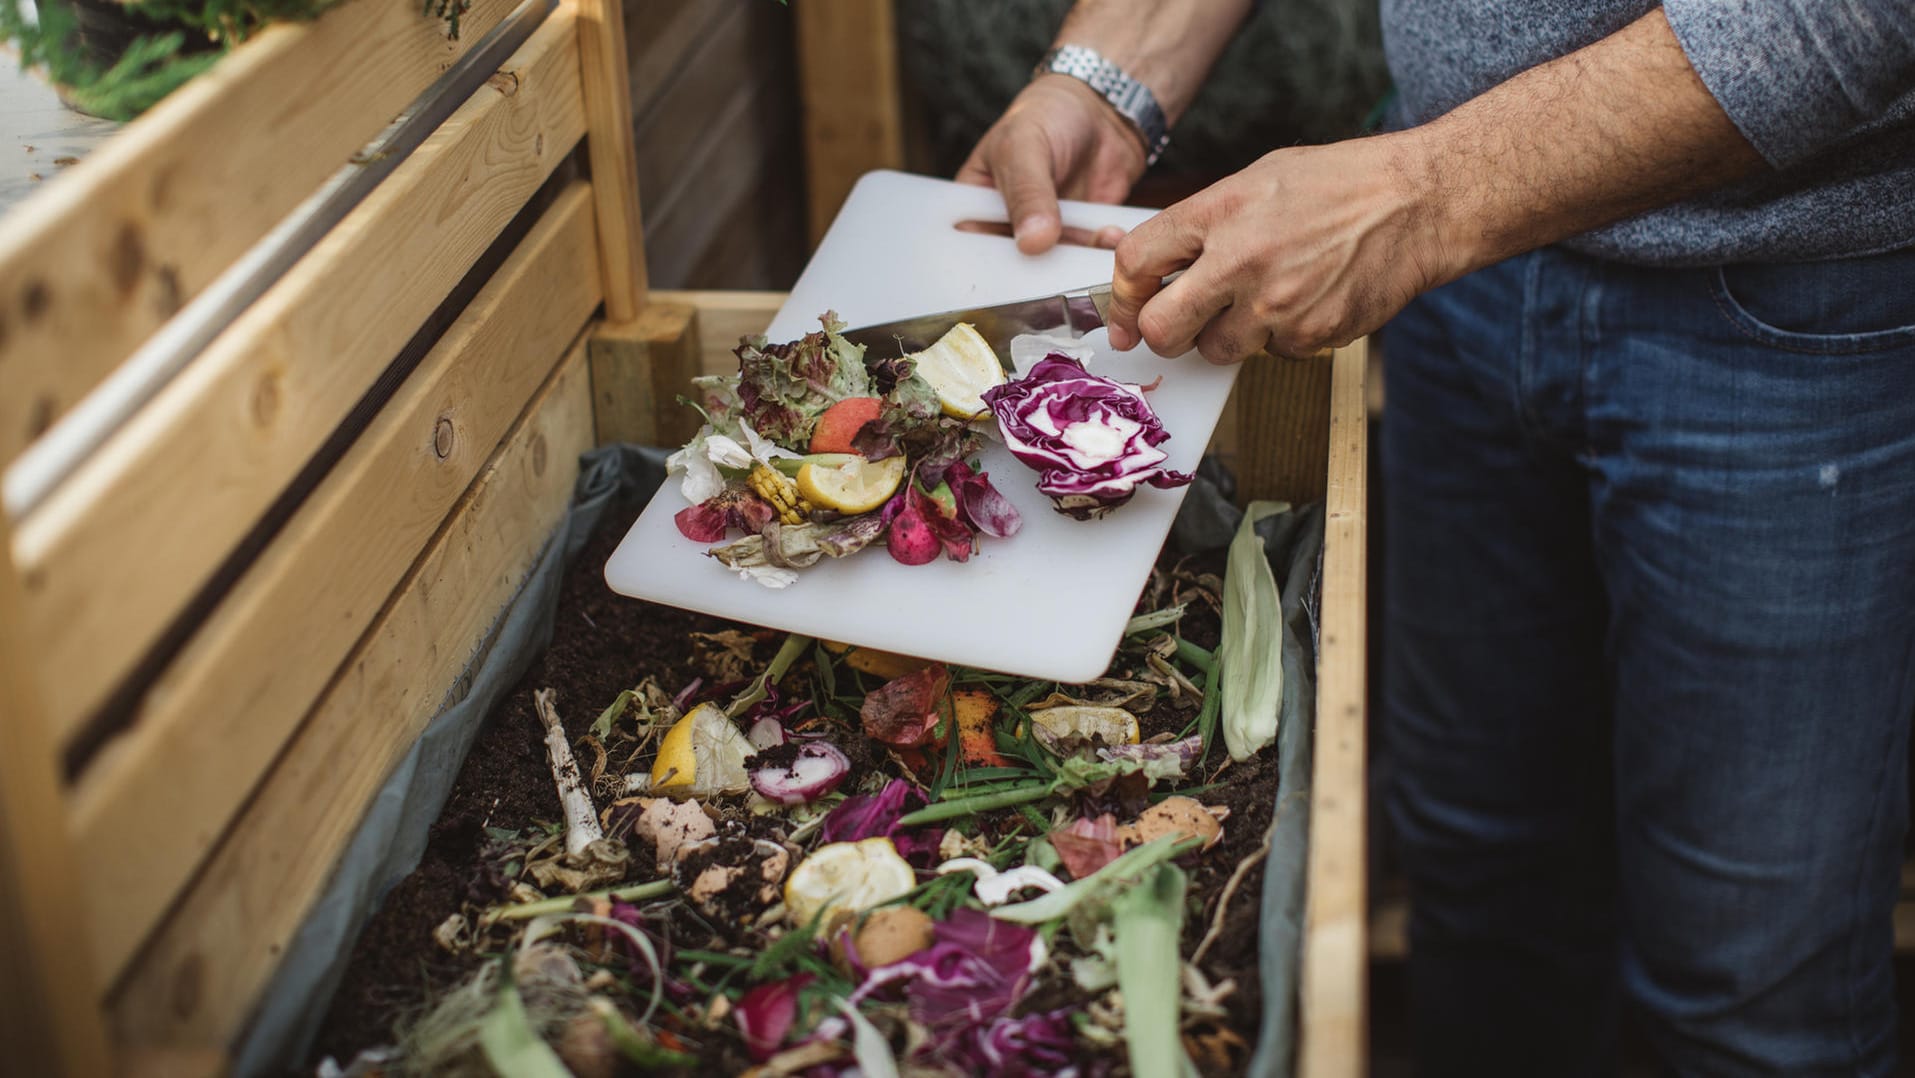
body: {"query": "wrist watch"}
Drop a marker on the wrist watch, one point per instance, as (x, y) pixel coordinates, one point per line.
(1132, 99)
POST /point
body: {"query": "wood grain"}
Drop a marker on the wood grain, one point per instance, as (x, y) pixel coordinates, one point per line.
(640, 369)
(848, 80)
(603, 76)
(149, 810)
(94, 263)
(1335, 983)
(724, 317)
(110, 558)
(1282, 427)
(195, 985)
(49, 1018)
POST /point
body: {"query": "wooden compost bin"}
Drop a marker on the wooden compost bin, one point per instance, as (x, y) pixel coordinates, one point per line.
(239, 606)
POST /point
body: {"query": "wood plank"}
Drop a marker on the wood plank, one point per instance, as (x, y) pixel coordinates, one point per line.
(608, 125)
(639, 369)
(49, 1021)
(1281, 429)
(848, 80)
(660, 37)
(94, 263)
(150, 808)
(1334, 1004)
(106, 560)
(723, 317)
(196, 984)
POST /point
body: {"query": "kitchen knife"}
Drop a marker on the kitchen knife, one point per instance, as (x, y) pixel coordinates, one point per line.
(1066, 314)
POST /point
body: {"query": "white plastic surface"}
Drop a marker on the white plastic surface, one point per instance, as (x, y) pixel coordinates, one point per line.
(1050, 602)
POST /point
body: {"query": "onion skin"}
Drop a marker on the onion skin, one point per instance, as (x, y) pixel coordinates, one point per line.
(819, 768)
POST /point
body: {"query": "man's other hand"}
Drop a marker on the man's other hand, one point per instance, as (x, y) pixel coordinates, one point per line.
(1057, 139)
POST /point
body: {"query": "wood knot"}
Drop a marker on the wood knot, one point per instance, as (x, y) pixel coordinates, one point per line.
(538, 455)
(35, 299)
(128, 258)
(506, 82)
(266, 399)
(442, 437)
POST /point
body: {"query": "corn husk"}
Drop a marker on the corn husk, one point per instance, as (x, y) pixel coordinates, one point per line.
(1250, 654)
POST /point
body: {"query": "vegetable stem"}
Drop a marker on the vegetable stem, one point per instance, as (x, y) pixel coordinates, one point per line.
(1197, 656)
(581, 816)
(967, 806)
(525, 911)
(788, 653)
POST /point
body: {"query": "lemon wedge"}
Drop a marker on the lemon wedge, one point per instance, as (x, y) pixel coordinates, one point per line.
(846, 877)
(960, 366)
(1074, 722)
(702, 754)
(851, 484)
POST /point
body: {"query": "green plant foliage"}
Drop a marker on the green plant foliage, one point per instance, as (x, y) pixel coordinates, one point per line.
(155, 65)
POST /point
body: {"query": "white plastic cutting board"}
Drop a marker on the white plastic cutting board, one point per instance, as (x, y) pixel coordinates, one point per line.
(1050, 602)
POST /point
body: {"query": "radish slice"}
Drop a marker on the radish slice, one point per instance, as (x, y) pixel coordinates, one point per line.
(801, 772)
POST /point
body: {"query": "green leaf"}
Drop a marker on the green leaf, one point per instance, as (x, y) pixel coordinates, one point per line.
(634, 1045)
(1147, 921)
(602, 726)
(512, 1047)
(1250, 655)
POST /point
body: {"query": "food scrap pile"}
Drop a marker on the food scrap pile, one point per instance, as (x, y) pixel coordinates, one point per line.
(816, 449)
(778, 856)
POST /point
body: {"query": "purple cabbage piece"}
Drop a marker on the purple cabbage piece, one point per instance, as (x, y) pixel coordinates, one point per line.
(766, 1013)
(980, 504)
(865, 816)
(1092, 440)
(1028, 1047)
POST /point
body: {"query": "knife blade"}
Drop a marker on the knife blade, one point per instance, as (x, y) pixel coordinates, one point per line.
(1073, 314)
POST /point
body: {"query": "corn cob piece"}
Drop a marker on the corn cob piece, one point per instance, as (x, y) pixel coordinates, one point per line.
(778, 489)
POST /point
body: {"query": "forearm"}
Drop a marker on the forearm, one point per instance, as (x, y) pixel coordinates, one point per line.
(1168, 45)
(1616, 128)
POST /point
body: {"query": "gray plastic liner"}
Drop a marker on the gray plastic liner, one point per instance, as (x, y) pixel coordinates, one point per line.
(392, 837)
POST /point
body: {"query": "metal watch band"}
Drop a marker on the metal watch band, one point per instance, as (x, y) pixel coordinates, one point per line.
(1132, 99)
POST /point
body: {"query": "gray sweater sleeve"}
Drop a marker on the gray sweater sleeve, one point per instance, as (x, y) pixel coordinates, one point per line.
(1796, 76)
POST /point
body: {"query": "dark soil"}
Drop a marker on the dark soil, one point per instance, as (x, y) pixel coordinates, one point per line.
(604, 643)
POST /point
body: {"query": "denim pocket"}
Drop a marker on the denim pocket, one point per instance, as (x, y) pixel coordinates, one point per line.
(1847, 305)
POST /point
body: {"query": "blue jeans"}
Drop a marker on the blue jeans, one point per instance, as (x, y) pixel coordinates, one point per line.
(1650, 660)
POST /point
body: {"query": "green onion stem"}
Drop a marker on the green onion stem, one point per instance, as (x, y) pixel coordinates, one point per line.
(1201, 658)
(968, 806)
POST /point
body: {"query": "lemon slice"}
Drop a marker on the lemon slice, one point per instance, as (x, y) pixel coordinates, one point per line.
(1074, 722)
(851, 485)
(846, 877)
(960, 366)
(703, 753)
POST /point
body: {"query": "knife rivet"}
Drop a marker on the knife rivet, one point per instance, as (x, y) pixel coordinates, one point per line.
(442, 438)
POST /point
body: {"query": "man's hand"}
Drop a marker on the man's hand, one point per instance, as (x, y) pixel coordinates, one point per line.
(1058, 138)
(1317, 246)
(1306, 248)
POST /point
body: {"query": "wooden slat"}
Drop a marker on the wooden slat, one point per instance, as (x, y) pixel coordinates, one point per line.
(723, 317)
(1335, 963)
(1282, 415)
(91, 265)
(848, 79)
(49, 1021)
(608, 121)
(639, 370)
(109, 559)
(149, 809)
(197, 982)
